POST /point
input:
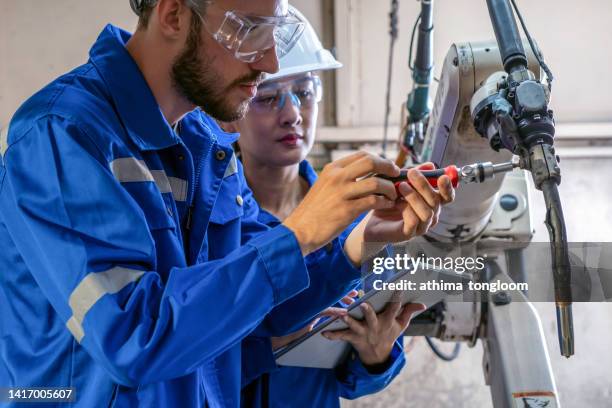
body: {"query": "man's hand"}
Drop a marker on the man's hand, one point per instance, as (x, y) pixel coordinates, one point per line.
(413, 214)
(373, 338)
(339, 196)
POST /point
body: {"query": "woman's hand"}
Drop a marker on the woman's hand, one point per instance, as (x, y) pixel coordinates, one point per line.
(279, 342)
(373, 338)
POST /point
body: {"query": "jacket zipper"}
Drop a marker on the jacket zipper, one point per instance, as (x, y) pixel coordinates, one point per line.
(191, 207)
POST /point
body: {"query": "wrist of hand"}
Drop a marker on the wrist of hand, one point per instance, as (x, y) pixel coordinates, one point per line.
(354, 244)
(303, 236)
(377, 366)
(375, 357)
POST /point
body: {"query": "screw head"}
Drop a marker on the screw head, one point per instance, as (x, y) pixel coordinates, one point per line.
(509, 202)
(501, 298)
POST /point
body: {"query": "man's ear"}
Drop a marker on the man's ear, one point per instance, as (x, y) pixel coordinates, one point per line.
(173, 18)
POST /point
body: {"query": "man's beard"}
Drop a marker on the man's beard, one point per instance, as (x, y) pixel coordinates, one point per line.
(195, 79)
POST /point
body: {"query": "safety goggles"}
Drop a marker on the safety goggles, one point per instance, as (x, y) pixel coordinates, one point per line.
(303, 93)
(248, 37)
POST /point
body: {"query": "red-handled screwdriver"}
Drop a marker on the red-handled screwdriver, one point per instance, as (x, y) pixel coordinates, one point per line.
(471, 173)
(431, 175)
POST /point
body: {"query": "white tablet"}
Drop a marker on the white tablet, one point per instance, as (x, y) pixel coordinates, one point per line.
(315, 351)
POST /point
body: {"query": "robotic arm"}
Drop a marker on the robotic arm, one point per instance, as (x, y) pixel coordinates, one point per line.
(484, 113)
(517, 118)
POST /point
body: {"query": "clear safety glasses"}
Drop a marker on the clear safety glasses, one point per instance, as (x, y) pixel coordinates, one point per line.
(302, 92)
(248, 37)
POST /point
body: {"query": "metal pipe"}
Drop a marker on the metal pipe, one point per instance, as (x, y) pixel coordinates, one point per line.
(507, 35)
(561, 266)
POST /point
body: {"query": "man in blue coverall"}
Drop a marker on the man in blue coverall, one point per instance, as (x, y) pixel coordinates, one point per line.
(132, 264)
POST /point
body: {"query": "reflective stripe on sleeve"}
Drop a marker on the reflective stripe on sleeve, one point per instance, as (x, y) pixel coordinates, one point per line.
(130, 170)
(91, 289)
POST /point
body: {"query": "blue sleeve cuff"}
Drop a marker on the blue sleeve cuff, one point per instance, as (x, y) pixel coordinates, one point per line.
(332, 256)
(356, 381)
(395, 362)
(281, 254)
(332, 276)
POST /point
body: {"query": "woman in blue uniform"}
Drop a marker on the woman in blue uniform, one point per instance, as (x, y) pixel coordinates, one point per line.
(275, 138)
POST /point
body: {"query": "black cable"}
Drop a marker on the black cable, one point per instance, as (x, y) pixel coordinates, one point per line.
(410, 63)
(446, 357)
(535, 50)
(393, 32)
(414, 28)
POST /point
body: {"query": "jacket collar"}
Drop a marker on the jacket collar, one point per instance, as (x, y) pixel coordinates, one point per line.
(307, 172)
(133, 98)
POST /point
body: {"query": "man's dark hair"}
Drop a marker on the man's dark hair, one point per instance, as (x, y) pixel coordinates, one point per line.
(144, 8)
(143, 19)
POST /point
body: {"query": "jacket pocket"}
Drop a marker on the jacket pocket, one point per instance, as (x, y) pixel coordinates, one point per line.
(229, 204)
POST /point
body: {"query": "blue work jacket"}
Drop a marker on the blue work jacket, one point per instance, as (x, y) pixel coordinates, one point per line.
(132, 264)
(277, 386)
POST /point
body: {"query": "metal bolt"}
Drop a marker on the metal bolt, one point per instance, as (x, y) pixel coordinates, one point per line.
(501, 298)
(508, 202)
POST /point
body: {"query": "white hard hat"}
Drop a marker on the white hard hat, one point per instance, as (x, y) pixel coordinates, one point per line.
(307, 54)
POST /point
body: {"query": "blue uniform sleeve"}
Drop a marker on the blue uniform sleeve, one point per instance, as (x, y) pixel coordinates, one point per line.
(355, 380)
(90, 249)
(332, 276)
(257, 359)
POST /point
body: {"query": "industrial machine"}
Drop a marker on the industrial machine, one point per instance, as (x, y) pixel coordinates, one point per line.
(492, 106)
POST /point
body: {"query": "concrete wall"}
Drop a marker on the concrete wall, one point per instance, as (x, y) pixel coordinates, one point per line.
(40, 40)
